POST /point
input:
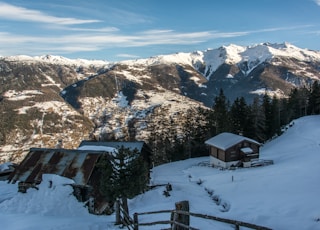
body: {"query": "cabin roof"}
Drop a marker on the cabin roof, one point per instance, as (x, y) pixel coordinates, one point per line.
(226, 140)
(77, 165)
(114, 144)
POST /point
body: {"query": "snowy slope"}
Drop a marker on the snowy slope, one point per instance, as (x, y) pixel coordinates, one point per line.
(280, 196)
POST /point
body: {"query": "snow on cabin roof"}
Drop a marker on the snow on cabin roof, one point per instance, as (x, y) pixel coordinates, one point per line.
(98, 148)
(113, 144)
(226, 140)
(247, 150)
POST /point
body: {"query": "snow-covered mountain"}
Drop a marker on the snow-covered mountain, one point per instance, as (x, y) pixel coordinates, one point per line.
(232, 54)
(281, 196)
(245, 71)
(46, 98)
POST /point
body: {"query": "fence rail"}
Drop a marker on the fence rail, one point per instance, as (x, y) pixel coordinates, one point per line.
(122, 217)
(236, 223)
(180, 218)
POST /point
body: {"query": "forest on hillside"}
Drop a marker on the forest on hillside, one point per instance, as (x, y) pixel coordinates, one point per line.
(262, 120)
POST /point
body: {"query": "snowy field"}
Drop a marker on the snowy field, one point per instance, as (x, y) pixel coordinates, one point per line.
(285, 195)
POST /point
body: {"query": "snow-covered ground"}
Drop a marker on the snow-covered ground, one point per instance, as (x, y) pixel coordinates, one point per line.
(284, 195)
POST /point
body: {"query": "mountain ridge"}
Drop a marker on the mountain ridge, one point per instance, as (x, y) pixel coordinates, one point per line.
(46, 98)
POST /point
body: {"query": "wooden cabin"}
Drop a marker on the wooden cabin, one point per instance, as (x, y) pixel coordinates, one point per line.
(228, 150)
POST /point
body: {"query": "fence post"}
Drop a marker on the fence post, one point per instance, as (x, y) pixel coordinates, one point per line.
(117, 209)
(135, 221)
(181, 218)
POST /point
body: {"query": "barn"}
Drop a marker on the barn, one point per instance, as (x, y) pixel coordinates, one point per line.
(80, 165)
(228, 149)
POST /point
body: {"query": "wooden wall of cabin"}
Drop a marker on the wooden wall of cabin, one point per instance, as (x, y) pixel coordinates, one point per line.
(217, 153)
(234, 153)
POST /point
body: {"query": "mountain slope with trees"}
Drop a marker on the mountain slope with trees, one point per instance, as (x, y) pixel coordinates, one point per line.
(172, 102)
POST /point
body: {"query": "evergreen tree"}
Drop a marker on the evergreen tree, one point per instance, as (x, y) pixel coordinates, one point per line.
(275, 120)
(124, 175)
(239, 116)
(259, 122)
(297, 103)
(249, 129)
(196, 131)
(267, 110)
(314, 99)
(271, 112)
(284, 112)
(220, 113)
(293, 104)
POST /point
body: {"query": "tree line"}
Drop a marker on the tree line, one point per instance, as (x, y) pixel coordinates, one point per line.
(261, 120)
(266, 116)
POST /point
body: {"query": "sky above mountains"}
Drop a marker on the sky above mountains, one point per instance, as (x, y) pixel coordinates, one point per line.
(116, 30)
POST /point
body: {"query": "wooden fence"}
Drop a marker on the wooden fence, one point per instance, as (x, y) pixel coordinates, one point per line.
(173, 222)
(122, 217)
(180, 219)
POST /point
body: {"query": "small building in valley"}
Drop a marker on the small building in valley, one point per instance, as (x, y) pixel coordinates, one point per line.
(228, 149)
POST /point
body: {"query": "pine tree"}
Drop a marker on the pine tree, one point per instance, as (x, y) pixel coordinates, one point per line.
(249, 129)
(268, 114)
(124, 175)
(238, 115)
(298, 102)
(314, 99)
(275, 111)
(259, 120)
(284, 112)
(196, 130)
(220, 113)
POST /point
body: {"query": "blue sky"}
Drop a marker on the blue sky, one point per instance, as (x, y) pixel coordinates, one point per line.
(116, 30)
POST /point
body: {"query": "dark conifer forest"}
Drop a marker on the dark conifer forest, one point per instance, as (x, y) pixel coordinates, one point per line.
(262, 120)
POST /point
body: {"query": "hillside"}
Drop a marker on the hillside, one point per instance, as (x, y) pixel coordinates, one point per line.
(47, 98)
(280, 196)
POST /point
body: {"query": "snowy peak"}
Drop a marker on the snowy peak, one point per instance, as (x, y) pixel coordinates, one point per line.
(59, 60)
(259, 53)
(211, 59)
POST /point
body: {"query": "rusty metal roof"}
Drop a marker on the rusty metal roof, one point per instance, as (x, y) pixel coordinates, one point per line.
(74, 164)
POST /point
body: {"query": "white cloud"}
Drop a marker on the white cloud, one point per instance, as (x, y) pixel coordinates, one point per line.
(317, 2)
(87, 40)
(15, 13)
(124, 17)
(31, 45)
(127, 56)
